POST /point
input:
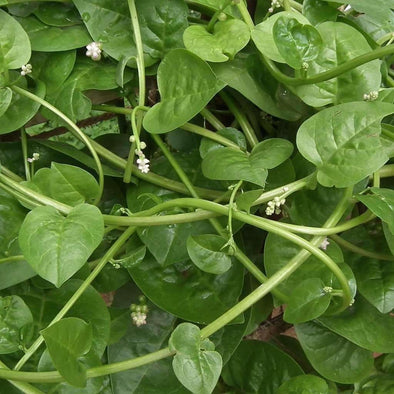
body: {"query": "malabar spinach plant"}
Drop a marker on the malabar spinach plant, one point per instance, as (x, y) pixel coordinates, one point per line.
(177, 176)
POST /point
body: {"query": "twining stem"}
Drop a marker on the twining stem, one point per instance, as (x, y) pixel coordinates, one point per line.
(241, 118)
(215, 16)
(212, 119)
(103, 261)
(286, 5)
(136, 125)
(11, 259)
(24, 153)
(73, 128)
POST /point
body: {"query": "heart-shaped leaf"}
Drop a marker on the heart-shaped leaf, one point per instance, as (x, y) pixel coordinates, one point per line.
(206, 252)
(296, 43)
(230, 164)
(344, 142)
(307, 301)
(56, 246)
(15, 47)
(195, 364)
(67, 340)
(186, 84)
(15, 315)
(68, 184)
(381, 203)
(305, 384)
(227, 39)
(5, 99)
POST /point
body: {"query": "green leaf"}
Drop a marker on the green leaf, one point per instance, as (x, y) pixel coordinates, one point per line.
(333, 356)
(217, 5)
(341, 43)
(195, 363)
(389, 237)
(15, 48)
(15, 317)
(5, 99)
(297, 43)
(307, 301)
(205, 252)
(186, 84)
(90, 307)
(318, 11)
(226, 40)
(67, 340)
(21, 109)
(56, 246)
(343, 142)
(68, 184)
(363, 325)
(259, 367)
(381, 203)
(263, 35)
(231, 164)
(45, 38)
(185, 291)
(58, 14)
(304, 384)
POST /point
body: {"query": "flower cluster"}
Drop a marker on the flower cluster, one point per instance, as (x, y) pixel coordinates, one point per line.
(371, 96)
(36, 157)
(274, 4)
(26, 69)
(324, 244)
(274, 205)
(139, 312)
(142, 161)
(93, 50)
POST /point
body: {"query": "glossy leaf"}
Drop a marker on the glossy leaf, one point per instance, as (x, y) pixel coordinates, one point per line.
(15, 317)
(259, 367)
(381, 203)
(226, 40)
(59, 15)
(307, 301)
(195, 363)
(263, 35)
(68, 184)
(185, 291)
(304, 384)
(67, 340)
(5, 99)
(333, 356)
(350, 136)
(206, 253)
(15, 48)
(363, 325)
(248, 75)
(341, 43)
(216, 5)
(318, 11)
(47, 38)
(297, 43)
(56, 246)
(230, 164)
(186, 84)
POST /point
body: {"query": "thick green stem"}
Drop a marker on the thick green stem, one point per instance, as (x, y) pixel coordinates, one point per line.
(24, 153)
(212, 119)
(11, 259)
(73, 128)
(103, 261)
(245, 14)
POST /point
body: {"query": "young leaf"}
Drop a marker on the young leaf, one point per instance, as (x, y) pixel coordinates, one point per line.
(296, 43)
(318, 11)
(344, 142)
(68, 184)
(381, 203)
(333, 356)
(67, 340)
(259, 367)
(305, 384)
(186, 84)
(5, 99)
(206, 252)
(307, 301)
(263, 35)
(56, 246)
(227, 39)
(59, 15)
(195, 363)
(230, 164)
(15, 48)
(15, 316)
(341, 43)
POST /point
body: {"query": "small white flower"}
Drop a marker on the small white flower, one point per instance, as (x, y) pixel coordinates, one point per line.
(36, 157)
(142, 145)
(139, 318)
(274, 205)
(324, 244)
(132, 139)
(327, 289)
(26, 69)
(371, 96)
(93, 50)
